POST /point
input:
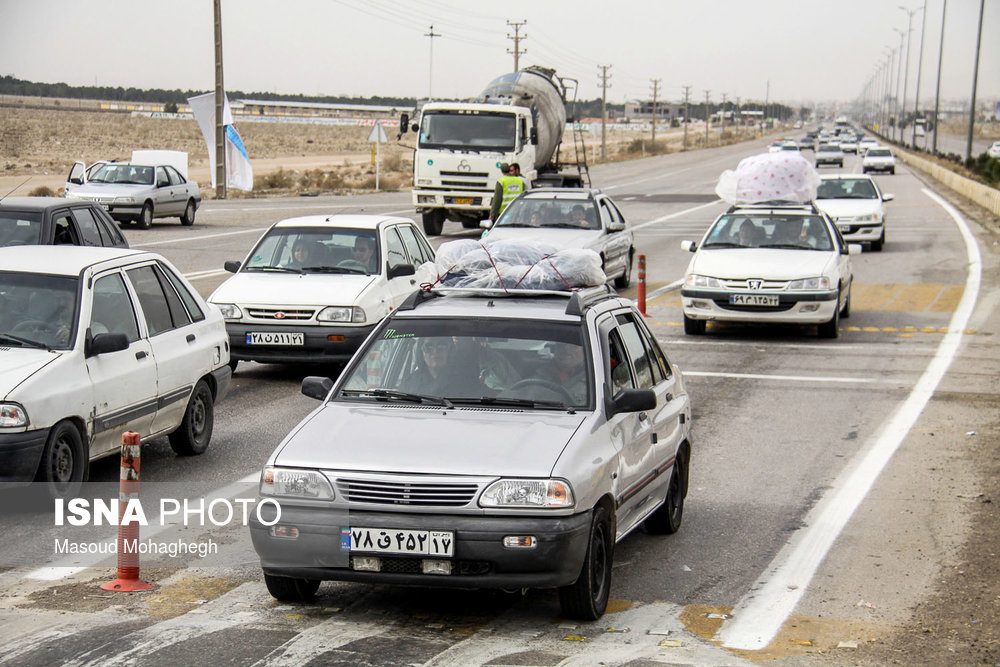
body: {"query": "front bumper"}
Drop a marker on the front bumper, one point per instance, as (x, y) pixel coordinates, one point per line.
(20, 454)
(792, 308)
(480, 559)
(860, 233)
(318, 345)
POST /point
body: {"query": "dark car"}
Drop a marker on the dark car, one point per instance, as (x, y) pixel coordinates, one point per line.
(57, 221)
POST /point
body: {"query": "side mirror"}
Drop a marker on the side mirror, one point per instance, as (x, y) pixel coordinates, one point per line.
(485, 224)
(415, 127)
(104, 343)
(404, 123)
(316, 387)
(232, 265)
(853, 249)
(533, 136)
(689, 246)
(888, 197)
(76, 180)
(631, 400)
(401, 270)
(616, 227)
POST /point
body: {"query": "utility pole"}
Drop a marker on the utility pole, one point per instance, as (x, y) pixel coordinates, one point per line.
(739, 118)
(687, 115)
(517, 37)
(430, 75)
(937, 92)
(909, 55)
(975, 80)
(220, 96)
(920, 66)
(707, 93)
(656, 89)
(723, 130)
(767, 95)
(899, 69)
(604, 110)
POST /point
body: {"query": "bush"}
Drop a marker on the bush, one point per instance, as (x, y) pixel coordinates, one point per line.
(170, 107)
(280, 179)
(42, 191)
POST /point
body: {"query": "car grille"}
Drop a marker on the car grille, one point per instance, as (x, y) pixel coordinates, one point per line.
(280, 313)
(780, 308)
(466, 174)
(399, 565)
(381, 492)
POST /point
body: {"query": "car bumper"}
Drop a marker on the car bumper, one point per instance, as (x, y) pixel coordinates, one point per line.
(792, 308)
(879, 167)
(859, 233)
(833, 160)
(321, 343)
(223, 378)
(20, 454)
(480, 559)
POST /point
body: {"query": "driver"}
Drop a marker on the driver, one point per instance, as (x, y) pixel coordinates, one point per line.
(364, 252)
(568, 370)
(431, 376)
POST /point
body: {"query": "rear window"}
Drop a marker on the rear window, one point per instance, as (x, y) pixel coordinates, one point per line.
(20, 227)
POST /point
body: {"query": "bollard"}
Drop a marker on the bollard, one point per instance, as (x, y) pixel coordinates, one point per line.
(642, 285)
(128, 535)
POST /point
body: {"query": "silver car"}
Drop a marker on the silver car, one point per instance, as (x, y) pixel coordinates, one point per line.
(482, 439)
(134, 192)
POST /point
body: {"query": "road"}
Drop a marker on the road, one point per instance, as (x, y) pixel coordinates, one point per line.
(827, 494)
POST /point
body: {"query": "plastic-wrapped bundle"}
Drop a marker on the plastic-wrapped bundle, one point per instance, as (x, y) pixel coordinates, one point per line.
(509, 264)
(781, 176)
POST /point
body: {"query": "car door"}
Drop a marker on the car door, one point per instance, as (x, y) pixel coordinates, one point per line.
(399, 287)
(164, 198)
(180, 190)
(617, 242)
(123, 383)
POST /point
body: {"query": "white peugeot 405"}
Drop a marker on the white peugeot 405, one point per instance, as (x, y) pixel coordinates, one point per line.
(854, 201)
(772, 264)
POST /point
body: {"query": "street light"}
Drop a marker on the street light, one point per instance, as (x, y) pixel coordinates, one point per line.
(920, 64)
(899, 71)
(906, 75)
(937, 91)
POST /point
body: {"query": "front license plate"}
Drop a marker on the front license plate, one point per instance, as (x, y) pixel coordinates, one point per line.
(463, 200)
(753, 299)
(845, 228)
(268, 338)
(398, 541)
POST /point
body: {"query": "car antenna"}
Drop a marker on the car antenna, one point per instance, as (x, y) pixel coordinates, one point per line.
(15, 188)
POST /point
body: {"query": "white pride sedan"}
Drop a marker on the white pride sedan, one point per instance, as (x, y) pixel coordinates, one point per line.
(773, 264)
(855, 203)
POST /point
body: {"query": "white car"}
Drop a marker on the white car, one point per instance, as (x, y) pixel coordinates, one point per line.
(314, 287)
(879, 158)
(994, 150)
(829, 154)
(849, 145)
(854, 202)
(572, 218)
(96, 342)
(865, 144)
(770, 264)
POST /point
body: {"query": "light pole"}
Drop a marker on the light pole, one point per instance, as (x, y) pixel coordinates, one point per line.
(937, 91)
(906, 75)
(975, 80)
(899, 71)
(887, 84)
(920, 66)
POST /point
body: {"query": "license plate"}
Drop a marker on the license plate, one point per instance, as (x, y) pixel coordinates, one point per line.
(268, 338)
(462, 200)
(753, 299)
(398, 541)
(845, 228)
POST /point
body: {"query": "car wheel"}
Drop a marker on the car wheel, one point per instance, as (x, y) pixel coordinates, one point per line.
(693, 327)
(587, 598)
(195, 432)
(433, 222)
(188, 218)
(892, 171)
(831, 328)
(864, 170)
(63, 467)
(145, 220)
(846, 311)
(233, 363)
(288, 589)
(666, 520)
(877, 245)
(623, 281)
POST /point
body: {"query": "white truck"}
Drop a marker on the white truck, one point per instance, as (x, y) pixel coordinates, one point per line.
(519, 117)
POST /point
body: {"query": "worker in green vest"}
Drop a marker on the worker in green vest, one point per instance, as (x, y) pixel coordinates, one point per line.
(507, 189)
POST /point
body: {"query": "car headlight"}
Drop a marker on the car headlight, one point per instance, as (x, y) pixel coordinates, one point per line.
(552, 493)
(694, 280)
(124, 200)
(871, 217)
(821, 282)
(295, 483)
(341, 314)
(12, 415)
(230, 311)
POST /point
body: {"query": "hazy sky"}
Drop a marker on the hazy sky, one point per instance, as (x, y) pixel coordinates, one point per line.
(809, 50)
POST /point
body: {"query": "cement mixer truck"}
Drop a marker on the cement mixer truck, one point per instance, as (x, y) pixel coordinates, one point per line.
(519, 117)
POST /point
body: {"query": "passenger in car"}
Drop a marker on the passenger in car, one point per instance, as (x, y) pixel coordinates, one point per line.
(431, 376)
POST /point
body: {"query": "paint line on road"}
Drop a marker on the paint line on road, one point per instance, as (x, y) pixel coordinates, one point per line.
(758, 617)
(785, 378)
(671, 216)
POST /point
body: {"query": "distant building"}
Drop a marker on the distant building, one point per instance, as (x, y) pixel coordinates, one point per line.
(643, 111)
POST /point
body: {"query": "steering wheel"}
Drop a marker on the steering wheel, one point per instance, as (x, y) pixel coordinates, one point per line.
(352, 264)
(545, 384)
(31, 326)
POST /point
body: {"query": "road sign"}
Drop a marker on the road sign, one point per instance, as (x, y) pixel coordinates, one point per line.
(377, 135)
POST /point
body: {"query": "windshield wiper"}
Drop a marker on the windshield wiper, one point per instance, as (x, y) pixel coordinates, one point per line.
(400, 395)
(513, 402)
(24, 341)
(722, 244)
(331, 269)
(789, 246)
(280, 269)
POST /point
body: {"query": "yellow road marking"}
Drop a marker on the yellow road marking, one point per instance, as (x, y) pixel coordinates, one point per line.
(947, 300)
(914, 298)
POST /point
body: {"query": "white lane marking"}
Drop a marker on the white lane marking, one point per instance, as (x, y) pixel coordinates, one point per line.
(56, 572)
(758, 617)
(670, 216)
(669, 173)
(783, 378)
(319, 639)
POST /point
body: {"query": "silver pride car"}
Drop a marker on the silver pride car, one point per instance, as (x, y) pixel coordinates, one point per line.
(482, 439)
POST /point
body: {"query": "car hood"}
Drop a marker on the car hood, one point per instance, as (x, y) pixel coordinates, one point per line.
(766, 263)
(17, 364)
(839, 208)
(425, 440)
(293, 289)
(560, 237)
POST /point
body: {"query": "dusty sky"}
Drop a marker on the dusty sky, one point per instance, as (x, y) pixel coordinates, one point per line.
(810, 50)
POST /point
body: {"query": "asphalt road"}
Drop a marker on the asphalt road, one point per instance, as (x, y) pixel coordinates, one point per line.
(783, 423)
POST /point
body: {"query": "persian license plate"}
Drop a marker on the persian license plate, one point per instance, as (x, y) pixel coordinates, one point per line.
(398, 541)
(274, 338)
(462, 200)
(845, 228)
(753, 299)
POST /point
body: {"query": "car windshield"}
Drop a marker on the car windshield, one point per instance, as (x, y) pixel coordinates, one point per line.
(37, 310)
(769, 230)
(846, 188)
(828, 148)
(529, 364)
(537, 211)
(879, 152)
(20, 227)
(126, 174)
(481, 131)
(316, 250)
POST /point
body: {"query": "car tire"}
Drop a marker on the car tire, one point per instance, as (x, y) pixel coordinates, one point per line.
(288, 589)
(587, 598)
(831, 328)
(877, 245)
(623, 281)
(666, 520)
(864, 170)
(433, 222)
(892, 171)
(846, 311)
(63, 467)
(195, 432)
(233, 363)
(189, 211)
(145, 220)
(694, 327)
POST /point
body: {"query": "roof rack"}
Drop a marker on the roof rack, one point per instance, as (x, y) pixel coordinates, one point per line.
(810, 205)
(579, 299)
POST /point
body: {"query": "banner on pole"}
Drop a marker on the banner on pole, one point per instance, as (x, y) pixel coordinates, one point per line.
(239, 173)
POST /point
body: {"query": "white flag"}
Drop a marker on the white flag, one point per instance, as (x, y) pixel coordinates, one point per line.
(239, 173)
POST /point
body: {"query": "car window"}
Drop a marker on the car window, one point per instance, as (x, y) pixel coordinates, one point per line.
(419, 252)
(65, 232)
(194, 310)
(38, 308)
(637, 352)
(316, 249)
(615, 211)
(112, 311)
(20, 227)
(109, 229)
(621, 373)
(659, 365)
(156, 306)
(88, 227)
(606, 217)
(394, 251)
(161, 177)
(174, 176)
